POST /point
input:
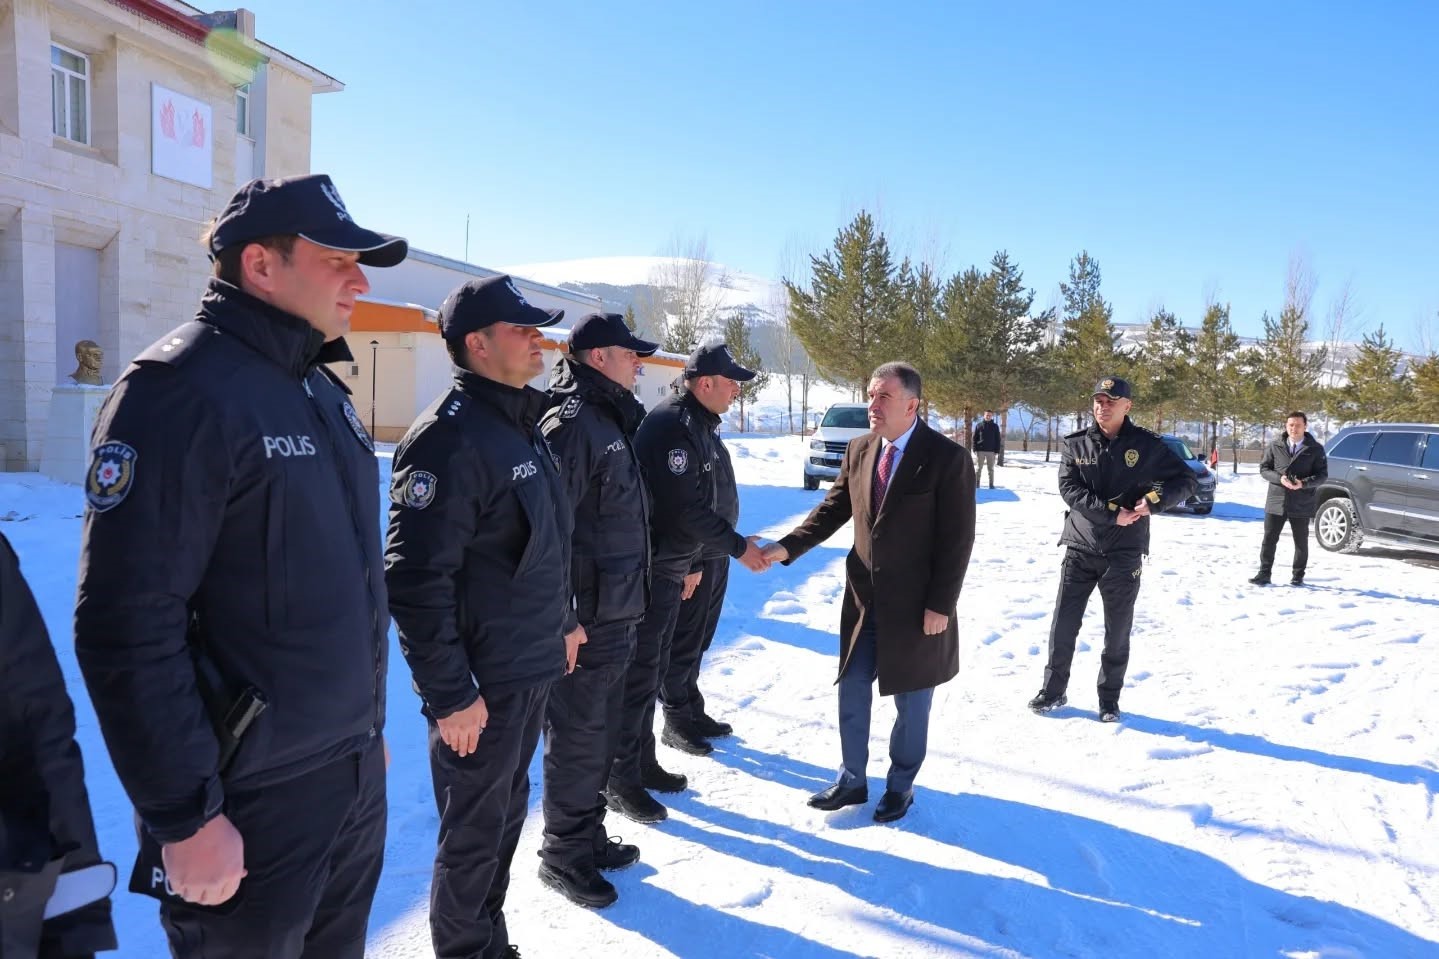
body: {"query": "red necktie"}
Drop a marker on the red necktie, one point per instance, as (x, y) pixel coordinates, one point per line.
(881, 480)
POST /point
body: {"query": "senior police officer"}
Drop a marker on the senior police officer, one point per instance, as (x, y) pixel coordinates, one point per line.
(684, 463)
(231, 614)
(1113, 476)
(590, 426)
(478, 566)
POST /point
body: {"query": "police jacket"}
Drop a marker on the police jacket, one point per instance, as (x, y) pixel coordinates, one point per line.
(689, 475)
(478, 553)
(230, 535)
(1099, 476)
(45, 822)
(986, 437)
(1310, 466)
(590, 426)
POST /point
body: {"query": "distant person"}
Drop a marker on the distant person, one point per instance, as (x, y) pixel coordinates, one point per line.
(910, 493)
(987, 446)
(477, 561)
(230, 618)
(1294, 465)
(49, 859)
(1112, 476)
(590, 426)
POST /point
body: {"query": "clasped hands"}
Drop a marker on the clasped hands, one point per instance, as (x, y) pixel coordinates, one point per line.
(1128, 516)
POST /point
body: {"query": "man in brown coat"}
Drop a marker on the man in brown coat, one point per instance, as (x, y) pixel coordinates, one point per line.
(910, 492)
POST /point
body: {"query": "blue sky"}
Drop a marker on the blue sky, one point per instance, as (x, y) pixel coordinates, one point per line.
(1193, 149)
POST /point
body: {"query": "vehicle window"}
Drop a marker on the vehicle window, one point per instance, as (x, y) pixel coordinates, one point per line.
(847, 418)
(1180, 448)
(1396, 448)
(1355, 446)
(1431, 453)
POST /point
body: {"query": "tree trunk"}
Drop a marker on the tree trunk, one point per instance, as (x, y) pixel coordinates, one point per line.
(1003, 432)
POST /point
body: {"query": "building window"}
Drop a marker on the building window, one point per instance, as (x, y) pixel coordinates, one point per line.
(242, 109)
(70, 94)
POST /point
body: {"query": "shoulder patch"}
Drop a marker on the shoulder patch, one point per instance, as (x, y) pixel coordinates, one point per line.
(111, 474)
(179, 344)
(419, 489)
(678, 461)
(452, 405)
(571, 408)
(362, 434)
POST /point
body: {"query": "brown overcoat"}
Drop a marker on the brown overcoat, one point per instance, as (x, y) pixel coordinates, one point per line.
(909, 558)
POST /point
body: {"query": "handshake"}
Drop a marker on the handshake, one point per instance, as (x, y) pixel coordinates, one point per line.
(758, 559)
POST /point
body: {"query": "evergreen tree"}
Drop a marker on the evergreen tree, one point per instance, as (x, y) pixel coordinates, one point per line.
(630, 320)
(953, 348)
(1163, 368)
(1424, 403)
(1217, 377)
(742, 348)
(1294, 366)
(1087, 340)
(847, 318)
(1376, 390)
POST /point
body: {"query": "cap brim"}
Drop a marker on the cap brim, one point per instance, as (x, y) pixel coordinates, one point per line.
(375, 249)
(1112, 396)
(537, 317)
(641, 347)
(738, 373)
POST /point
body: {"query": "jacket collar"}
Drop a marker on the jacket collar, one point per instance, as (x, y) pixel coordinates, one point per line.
(522, 406)
(691, 402)
(1125, 429)
(282, 338)
(570, 378)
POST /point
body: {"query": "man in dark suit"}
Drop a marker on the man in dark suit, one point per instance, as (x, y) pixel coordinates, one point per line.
(910, 492)
(1294, 465)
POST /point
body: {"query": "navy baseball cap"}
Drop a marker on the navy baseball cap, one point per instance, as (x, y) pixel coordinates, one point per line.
(481, 303)
(713, 359)
(1113, 387)
(305, 206)
(597, 330)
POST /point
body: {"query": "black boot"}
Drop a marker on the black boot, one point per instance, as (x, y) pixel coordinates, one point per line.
(634, 803)
(1260, 578)
(580, 884)
(685, 738)
(654, 776)
(1045, 703)
(612, 854)
(1297, 579)
(711, 728)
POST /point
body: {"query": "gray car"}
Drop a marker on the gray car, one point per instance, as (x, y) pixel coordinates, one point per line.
(1202, 501)
(1383, 485)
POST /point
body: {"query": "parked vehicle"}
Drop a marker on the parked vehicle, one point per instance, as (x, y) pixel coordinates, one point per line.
(842, 422)
(1383, 486)
(1202, 501)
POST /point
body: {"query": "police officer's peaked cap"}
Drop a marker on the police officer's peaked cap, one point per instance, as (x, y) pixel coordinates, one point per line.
(714, 359)
(305, 206)
(478, 304)
(597, 330)
(1114, 388)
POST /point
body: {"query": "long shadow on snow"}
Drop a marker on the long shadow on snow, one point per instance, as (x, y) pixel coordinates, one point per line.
(1110, 891)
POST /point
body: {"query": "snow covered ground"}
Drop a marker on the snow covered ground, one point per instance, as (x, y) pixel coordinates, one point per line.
(1269, 793)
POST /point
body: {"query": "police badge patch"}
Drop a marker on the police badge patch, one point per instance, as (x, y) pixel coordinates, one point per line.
(571, 408)
(361, 433)
(1131, 457)
(679, 461)
(111, 474)
(419, 490)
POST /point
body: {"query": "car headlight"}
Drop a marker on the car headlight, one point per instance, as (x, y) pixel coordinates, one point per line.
(817, 445)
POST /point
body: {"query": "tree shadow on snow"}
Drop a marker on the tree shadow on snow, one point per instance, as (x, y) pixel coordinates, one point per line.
(1098, 889)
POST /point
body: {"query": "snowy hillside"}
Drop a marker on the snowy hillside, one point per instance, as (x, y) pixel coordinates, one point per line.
(1270, 792)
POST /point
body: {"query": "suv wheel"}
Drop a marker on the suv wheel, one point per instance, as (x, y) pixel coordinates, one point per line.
(811, 482)
(1336, 527)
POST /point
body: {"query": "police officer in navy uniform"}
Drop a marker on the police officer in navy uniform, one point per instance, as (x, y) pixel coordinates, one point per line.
(478, 566)
(683, 459)
(231, 614)
(1113, 476)
(590, 426)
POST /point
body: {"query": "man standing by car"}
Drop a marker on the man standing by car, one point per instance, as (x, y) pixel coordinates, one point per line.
(478, 567)
(590, 425)
(1294, 465)
(1112, 476)
(987, 444)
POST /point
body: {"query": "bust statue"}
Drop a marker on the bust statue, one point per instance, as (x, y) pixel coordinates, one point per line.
(88, 357)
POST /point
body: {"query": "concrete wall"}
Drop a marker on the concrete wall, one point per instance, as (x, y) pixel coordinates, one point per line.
(103, 197)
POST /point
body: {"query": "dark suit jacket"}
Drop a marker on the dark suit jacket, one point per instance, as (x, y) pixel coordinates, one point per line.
(911, 557)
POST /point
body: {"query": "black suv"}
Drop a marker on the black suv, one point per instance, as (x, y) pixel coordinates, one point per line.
(1383, 484)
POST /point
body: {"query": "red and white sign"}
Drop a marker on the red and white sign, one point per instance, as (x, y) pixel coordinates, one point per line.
(182, 141)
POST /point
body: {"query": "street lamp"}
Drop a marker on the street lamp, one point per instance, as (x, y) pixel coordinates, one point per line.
(374, 367)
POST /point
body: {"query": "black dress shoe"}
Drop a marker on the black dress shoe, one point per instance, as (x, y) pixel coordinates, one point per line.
(1297, 579)
(686, 740)
(711, 728)
(634, 803)
(615, 854)
(581, 885)
(1260, 579)
(837, 797)
(893, 805)
(656, 777)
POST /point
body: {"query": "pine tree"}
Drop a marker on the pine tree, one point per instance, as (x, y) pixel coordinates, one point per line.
(1376, 390)
(1294, 367)
(1217, 378)
(741, 347)
(847, 318)
(630, 320)
(1087, 341)
(953, 347)
(1424, 404)
(1163, 368)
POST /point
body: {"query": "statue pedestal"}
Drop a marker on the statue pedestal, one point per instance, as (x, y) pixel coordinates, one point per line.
(66, 453)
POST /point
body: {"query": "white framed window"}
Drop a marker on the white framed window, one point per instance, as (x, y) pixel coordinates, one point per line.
(70, 94)
(242, 109)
